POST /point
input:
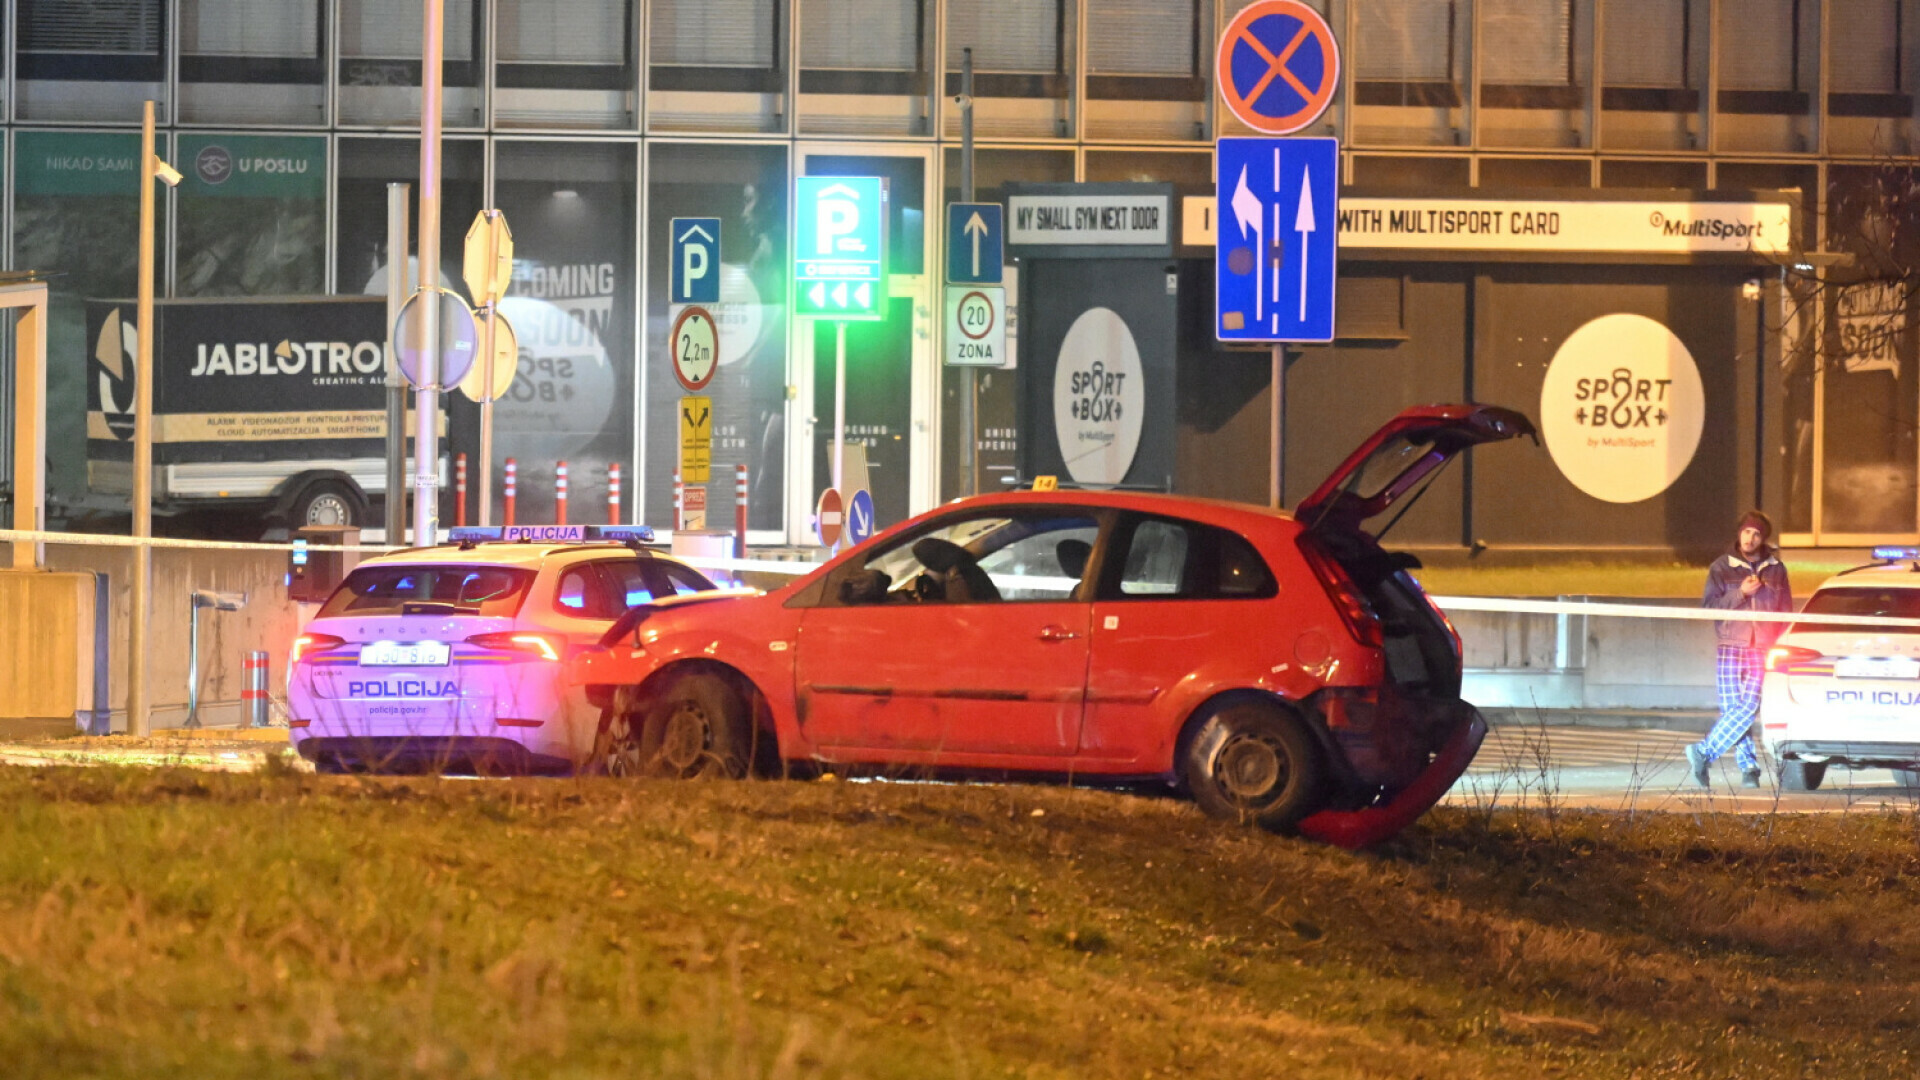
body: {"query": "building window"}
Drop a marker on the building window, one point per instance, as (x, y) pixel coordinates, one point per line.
(565, 63)
(704, 53)
(1761, 45)
(252, 62)
(380, 63)
(1865, 53)
(1528, 55)
(864, 66)
(1406, 53)
(1647, 56)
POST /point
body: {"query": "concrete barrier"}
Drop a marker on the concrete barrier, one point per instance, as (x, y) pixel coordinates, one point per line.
(267, 621)
(1520, 660)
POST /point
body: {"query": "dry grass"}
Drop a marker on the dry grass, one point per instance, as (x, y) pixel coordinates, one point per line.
(204, 925)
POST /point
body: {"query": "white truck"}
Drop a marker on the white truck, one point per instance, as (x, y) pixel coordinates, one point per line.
(277, 403)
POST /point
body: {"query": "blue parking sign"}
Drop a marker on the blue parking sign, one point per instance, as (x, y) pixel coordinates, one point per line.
(1274, 259)
(694, 277)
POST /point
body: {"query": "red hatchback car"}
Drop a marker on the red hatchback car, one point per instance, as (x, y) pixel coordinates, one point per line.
(1282, 669)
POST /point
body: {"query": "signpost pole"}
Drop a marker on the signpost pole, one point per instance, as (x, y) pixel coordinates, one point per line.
(970, 396)
(399, 286)
(486, 403)
(426, 448)
(1277, 425)
(839, 402)
(137, 707)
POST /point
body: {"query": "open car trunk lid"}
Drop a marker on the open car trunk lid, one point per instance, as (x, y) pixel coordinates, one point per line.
(1394, 461)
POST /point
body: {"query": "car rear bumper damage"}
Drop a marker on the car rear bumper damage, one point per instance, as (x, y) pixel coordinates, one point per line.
(1354, 829)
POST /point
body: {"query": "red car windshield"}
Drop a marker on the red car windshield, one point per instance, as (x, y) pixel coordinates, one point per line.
(430, 590)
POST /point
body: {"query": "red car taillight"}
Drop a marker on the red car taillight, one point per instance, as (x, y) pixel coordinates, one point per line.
(307, 644)
(1347, 599)
(1782, 657)
(527, 646)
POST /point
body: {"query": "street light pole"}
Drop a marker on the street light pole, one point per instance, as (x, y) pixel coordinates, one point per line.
(426, 448)
(139, 710)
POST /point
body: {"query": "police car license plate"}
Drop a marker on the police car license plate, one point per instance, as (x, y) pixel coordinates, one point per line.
(405, 654)
(1877, 667)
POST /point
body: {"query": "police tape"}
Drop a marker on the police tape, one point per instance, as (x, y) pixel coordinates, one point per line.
(1450, 604)
(30, 536)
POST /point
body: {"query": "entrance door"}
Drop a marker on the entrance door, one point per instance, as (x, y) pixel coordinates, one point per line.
(890, 363)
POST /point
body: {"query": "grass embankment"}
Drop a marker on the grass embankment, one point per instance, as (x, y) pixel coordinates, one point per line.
(201, 925)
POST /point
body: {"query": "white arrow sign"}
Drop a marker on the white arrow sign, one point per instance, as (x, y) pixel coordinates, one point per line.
(1303, 224)
(1246, 208)
(975, 228)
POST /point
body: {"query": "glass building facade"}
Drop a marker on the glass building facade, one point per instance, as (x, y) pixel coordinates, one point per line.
(593, 123)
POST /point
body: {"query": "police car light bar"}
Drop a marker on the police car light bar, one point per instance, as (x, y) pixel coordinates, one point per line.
(550, 534)
(1896, 554)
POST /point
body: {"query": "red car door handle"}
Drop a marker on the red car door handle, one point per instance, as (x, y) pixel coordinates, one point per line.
(1056, 633)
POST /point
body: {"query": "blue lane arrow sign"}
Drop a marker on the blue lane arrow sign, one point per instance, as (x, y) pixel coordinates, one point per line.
(976, 243)
(1274, 262)
(859, 516)
(694, 276)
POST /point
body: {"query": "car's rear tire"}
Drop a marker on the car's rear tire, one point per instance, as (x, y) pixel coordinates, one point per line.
(1251, 761)
(1907, 778)
(1802, 775)
(697, 726)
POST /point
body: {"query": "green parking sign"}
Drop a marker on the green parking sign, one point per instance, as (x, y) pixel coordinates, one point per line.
(840, 246)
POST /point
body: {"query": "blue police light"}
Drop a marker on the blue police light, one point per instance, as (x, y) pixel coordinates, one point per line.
(621, 534)
(1895, 554)
(475, 534)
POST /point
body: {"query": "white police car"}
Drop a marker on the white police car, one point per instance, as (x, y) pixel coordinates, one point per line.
(1848, 694)
(452, 658)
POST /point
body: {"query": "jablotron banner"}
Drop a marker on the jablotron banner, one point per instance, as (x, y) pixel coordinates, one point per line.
(271, 372)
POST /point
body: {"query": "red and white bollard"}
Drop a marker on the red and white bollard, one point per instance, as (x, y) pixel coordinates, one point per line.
(679, 504)
(560, 493)
(613, 493)
(506, 502)
(460, 489)
(739, 511)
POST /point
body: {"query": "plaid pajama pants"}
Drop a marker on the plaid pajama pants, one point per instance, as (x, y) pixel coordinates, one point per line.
(1737, 674)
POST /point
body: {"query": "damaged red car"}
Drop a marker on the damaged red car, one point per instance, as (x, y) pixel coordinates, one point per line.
(1281, 669)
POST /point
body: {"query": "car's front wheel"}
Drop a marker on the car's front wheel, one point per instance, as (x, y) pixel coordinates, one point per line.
(1252, 761)
(696, 726)
(1802, 775)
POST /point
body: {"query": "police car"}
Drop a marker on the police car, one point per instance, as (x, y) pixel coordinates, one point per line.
(1849, 694)
(453, 658)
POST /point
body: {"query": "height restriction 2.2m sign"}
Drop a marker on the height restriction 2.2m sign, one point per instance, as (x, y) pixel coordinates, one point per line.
(1278, 66)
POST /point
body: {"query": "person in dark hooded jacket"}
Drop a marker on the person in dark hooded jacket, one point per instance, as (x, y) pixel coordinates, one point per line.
(1749, 577)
